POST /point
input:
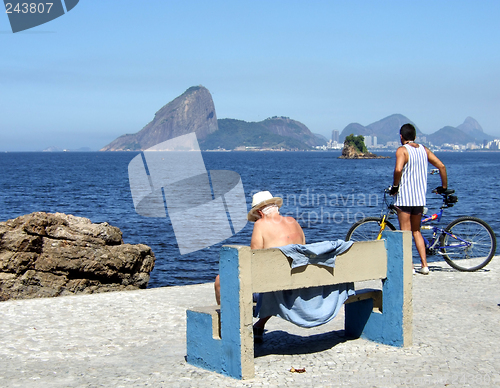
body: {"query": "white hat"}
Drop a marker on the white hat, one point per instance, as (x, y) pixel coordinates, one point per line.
(259, 200)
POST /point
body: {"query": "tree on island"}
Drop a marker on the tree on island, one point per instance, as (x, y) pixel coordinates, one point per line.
(355, 148)
(358, 142)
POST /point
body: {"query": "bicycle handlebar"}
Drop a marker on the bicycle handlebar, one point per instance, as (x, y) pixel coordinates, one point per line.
(443, 193)
(448, 199)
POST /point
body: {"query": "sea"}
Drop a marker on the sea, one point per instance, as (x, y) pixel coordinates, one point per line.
(324, 193)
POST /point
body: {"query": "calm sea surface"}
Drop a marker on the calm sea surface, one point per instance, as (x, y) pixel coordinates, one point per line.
(324, 193)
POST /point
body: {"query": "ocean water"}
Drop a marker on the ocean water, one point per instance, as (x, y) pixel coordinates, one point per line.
(324, 193)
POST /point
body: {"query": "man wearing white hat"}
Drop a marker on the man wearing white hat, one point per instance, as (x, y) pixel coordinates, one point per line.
(271, 230)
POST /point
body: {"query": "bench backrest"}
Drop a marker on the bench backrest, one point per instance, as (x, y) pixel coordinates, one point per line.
(271, 269)
(243, 272)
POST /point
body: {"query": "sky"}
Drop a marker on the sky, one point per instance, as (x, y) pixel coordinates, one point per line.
(106, 67)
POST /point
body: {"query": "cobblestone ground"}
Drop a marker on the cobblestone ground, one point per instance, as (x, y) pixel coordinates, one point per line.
(137, 339)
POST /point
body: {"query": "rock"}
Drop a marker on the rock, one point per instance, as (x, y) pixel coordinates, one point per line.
(350, 152)
(45, 255)
(193, 111)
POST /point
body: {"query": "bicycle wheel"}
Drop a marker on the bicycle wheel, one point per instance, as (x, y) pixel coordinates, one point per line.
(470, 245)
(366, 229)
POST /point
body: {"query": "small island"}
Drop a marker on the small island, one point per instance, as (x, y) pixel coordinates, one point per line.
(355, 148)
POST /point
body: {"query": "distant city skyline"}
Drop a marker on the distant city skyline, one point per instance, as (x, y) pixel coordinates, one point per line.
(335, 135)
(104, 69)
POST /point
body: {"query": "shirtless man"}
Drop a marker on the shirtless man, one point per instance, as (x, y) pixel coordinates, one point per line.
(271, 230)
(410, 186)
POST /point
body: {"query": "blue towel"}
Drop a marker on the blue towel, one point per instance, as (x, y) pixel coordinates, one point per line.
(308, 307)
(320, 253)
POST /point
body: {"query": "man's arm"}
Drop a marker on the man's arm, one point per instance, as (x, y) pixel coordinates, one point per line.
(257, 241)
(433, 159)
(401, 160)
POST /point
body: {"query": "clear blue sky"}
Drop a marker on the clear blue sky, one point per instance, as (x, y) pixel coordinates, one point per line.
(105, 68)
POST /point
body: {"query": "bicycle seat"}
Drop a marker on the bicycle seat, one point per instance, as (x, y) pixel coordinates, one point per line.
(392, 208)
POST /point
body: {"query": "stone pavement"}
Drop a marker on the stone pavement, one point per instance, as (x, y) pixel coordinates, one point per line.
(137, 339)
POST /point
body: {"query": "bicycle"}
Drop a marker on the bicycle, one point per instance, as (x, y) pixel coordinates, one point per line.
(466, 244)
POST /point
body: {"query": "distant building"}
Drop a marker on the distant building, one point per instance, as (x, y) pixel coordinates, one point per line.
(472, 146)
(368, 141)
(335, 136)
(333, 145)
(493, 145)
(455, 147)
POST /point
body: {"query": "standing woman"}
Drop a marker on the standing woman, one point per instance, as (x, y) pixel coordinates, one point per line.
(410, 186)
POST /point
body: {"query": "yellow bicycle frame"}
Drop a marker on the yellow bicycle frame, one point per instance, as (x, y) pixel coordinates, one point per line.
(383, 223)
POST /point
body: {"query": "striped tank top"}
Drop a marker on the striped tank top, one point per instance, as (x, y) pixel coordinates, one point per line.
(413, 184)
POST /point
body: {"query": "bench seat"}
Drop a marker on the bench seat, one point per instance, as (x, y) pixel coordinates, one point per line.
(221, 338)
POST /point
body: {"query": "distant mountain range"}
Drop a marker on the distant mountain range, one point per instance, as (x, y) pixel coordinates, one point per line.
(194, 111)
(274, 132)
(387, 130)
(57, 149)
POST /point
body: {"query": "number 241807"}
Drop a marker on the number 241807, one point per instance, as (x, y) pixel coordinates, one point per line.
(29, 7)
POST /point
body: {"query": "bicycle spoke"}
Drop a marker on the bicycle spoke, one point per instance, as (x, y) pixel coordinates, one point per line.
(367, 229)
(469, 244)
(466, 244)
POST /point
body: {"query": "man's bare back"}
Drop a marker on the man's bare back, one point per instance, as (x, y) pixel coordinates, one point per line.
(276, 231)
(270, 230)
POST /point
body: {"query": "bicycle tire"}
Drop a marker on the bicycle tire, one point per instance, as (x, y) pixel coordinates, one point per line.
(468, 258)
(366, 229)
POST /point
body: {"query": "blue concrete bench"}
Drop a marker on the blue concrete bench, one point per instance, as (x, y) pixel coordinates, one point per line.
(220, 338)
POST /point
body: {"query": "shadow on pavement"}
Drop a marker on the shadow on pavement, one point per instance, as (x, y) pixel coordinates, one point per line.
(281, 342)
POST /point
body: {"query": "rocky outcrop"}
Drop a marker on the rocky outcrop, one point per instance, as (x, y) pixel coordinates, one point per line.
(46, 255)
(193, 111)
(350, 152)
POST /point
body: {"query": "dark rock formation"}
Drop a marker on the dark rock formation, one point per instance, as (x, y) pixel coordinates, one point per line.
(45, 255)
(350, 152)
(193, 111)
